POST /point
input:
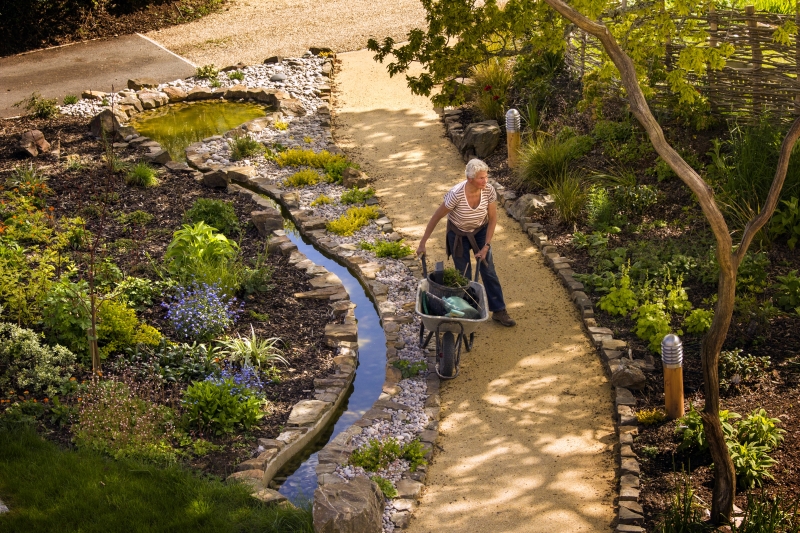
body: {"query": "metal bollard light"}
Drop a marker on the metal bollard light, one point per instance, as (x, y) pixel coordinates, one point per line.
(513, 134)
(672, 359)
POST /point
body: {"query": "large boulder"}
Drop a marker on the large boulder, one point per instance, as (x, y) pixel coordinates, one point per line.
(264, 96)
(527, 204)
(480, 138)
(291, 106)
(32, 142)
(236, 92)
(175, 94)
(153, 99)
(137, 84)
(626, 375)
(352, 177)
(107, 121)
(354, 507)
(200, 93)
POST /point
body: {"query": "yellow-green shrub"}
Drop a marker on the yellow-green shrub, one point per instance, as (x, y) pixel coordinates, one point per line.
(303, 178)
(147, 335)
(321, 200)
(353, 220)
(116, 325)
(650, 417)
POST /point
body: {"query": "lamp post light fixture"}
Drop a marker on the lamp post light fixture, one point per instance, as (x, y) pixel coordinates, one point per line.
(672, 360)
(513, 134)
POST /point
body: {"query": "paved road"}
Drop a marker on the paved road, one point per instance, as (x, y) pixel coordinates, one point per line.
(99, 65)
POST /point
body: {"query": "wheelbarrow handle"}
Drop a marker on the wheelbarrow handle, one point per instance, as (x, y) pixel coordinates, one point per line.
(478, 269)
(424, 267)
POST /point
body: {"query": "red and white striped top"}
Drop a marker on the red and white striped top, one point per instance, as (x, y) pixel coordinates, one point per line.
(461, 214)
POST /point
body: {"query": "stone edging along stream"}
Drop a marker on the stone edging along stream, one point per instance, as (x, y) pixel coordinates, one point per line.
(618, 363)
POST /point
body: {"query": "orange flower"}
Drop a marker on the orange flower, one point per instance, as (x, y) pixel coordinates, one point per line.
(73, 378)
(46, 400)
(26, 392)
(34, 400)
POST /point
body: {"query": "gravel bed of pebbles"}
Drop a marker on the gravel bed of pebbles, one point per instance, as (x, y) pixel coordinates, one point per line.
(301, 78)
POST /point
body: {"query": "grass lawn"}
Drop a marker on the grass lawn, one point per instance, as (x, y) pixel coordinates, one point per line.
(49, 489)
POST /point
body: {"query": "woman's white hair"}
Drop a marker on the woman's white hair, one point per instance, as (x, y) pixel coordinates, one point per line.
(474, 166)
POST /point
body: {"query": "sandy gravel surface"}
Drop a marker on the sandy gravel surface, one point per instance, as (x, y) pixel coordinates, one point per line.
(249, 31)
(526, 434)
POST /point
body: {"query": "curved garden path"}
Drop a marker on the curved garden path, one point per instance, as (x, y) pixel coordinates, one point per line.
(526, 431)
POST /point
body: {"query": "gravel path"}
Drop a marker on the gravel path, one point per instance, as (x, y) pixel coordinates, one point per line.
(249, 31)
(526, 434)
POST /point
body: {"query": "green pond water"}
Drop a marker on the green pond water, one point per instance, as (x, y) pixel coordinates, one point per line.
(177, 126)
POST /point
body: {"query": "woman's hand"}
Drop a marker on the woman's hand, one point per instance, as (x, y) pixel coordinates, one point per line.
(481, 256)
(421, 249)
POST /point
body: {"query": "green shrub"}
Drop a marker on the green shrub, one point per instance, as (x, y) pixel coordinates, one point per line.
(116, 325)
(690, 428)
(136, 218)
(769, 514)
(357, 196)
(70, 99)
(141, 293)
(302, 178)
(237, 75)
(545, 160)
(252, 351)
(141, 175)
(119, 419)
(66, 315)
(39, 107)
(395, 250)
(786, 221)
(196, 246)
(683, 515)
(650, 417)
(492, 81)
(600, 211)
(171, 362)
(736, 368)
(386, 486)
(353, 220)
(333, 165)
(206, 72)
(788, 292)
(376, 454)
(243, 147)
(409, 369)
(652, 324)
(28, 364)
(221, 407)
(218, 214)
(698, 321)
(569, 197)
(761, 430)
(751, 463)
(321, 200)
(633, 200)
(620, 300)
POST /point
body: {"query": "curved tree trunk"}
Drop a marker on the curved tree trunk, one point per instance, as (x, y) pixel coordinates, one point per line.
(729, 260)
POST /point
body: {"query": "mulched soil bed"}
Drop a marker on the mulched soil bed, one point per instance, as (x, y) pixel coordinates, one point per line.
(778, 393)
(34, 26)
(299, 323)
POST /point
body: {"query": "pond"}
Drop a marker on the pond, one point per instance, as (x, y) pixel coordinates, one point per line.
(177, 126)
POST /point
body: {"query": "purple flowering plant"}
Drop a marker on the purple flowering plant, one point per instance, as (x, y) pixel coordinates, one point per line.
(201, 311)
(244, 379)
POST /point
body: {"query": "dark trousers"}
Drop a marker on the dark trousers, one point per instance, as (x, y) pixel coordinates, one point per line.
(494, 293)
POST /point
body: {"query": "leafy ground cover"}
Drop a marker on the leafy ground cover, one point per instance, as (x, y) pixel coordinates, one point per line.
(51, 490)
(639, 237)
(190, 316)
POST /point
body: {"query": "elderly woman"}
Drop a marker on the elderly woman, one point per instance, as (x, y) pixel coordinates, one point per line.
(471, 210)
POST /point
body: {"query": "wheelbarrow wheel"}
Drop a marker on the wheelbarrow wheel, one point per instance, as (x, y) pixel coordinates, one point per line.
(447, 366)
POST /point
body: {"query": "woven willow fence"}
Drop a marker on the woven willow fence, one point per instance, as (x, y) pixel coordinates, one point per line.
(760, 77)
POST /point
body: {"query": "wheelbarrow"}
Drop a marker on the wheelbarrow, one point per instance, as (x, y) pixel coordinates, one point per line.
(451, 333)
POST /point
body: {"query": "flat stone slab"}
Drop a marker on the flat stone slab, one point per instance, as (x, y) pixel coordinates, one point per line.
(306, 412)
(269, 496)
(335, 333)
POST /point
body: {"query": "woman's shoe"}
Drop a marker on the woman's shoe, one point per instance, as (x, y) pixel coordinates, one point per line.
(502, 317)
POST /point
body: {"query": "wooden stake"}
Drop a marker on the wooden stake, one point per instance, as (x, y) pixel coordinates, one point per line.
(513, 141)
(673, 391)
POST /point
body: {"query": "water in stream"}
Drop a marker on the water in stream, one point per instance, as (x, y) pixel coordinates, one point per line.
(300, 473)
(177, 126)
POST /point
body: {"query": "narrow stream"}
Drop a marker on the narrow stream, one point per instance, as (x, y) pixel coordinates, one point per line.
(300, 472)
